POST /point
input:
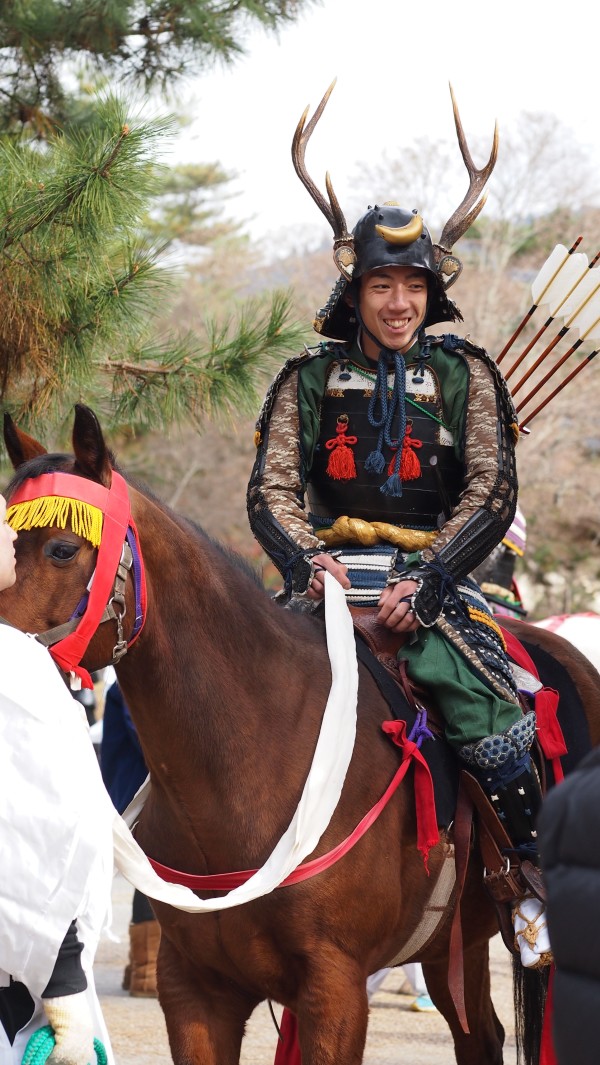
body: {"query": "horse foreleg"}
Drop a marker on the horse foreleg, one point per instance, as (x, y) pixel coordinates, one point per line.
(483, 1045)
(204, 1014)
(332, 1013)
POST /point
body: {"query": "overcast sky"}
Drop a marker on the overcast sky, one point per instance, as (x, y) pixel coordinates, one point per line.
(393, 61)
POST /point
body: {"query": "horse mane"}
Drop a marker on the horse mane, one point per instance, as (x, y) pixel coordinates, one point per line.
(55, 463)
(301, 626)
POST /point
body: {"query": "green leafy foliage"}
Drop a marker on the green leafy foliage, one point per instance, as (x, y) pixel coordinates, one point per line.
(97, 239)
(82, 286)
(145, 43)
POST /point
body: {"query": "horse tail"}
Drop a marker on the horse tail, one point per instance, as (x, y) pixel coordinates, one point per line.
(530, 988)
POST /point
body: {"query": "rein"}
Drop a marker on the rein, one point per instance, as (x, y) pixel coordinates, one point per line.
(46, 500)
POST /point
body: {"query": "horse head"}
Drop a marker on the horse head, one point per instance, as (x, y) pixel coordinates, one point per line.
(72, 513)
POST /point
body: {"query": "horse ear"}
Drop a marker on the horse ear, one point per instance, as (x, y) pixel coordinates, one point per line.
(19, 445)
(91, 453)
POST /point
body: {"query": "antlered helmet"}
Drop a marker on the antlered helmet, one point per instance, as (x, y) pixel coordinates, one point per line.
(390, 235)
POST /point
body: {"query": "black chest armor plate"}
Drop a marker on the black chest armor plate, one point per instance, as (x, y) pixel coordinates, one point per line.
(420, 505)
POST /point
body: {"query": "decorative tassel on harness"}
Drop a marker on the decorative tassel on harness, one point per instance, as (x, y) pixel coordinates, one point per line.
(84, 519)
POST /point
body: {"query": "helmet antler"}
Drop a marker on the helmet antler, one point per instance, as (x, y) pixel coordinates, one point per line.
(343, 250)
(470, 207)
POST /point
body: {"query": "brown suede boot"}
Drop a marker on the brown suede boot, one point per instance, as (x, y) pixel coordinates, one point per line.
(144, 939)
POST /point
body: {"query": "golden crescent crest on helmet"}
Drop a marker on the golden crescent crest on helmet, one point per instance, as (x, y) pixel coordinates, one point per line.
(402, 234)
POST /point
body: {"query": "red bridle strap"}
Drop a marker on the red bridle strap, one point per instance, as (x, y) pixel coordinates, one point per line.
(114, 504)
(427, 830)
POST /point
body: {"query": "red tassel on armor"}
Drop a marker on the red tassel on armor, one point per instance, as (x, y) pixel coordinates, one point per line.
(410, 467)
(341, 465)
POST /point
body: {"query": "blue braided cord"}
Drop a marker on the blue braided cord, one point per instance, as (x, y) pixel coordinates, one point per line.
(500, 776)
(524, 850)
(393, 485)
(379, 396)
(42, 1042)
(397, 402)
(375, 461)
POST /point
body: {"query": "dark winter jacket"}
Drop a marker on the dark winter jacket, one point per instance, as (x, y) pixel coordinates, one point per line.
(569, 835)
(121, 760)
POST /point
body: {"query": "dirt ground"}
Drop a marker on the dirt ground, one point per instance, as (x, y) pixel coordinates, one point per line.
(396, 1033)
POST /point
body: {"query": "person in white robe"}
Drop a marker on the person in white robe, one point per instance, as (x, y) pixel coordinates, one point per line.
(56, 851)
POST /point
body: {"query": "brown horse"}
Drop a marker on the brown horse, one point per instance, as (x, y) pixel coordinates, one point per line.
(227, 692)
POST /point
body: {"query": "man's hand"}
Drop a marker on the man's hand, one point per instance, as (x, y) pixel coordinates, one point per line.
(323, 562)
(72, 1023)
(394, 607)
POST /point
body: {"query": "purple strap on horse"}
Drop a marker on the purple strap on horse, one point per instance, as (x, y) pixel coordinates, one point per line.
(137, 584)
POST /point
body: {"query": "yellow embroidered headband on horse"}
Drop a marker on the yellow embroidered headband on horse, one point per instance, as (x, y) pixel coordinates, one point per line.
(102, 516)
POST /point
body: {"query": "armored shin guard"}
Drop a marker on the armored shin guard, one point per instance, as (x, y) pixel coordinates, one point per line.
(502, 766)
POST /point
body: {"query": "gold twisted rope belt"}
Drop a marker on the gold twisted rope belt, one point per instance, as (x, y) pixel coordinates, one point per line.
(347, 530)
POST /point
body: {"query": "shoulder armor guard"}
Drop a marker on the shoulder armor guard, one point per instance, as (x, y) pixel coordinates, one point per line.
(458, 346)
(288, 368)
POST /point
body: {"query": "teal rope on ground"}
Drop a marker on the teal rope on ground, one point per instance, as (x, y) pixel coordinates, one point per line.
(41, 1045)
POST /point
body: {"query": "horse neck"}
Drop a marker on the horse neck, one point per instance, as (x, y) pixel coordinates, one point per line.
(223, 686)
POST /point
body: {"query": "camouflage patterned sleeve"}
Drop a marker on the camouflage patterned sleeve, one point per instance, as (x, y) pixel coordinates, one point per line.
(276, 490)
(488, 502)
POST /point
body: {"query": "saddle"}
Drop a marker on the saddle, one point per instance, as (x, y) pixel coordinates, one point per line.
(384, 645)
(506, 876)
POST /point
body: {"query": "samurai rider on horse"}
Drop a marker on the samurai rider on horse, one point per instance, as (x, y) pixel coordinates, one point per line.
(386, 456)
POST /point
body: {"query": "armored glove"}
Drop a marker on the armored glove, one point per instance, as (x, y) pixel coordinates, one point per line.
(73, 1028)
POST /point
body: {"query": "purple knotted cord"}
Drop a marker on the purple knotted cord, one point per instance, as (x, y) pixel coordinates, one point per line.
(420, 731)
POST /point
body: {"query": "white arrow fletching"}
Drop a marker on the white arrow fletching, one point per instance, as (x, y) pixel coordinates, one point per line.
(583, 306)
(551, 272)
(565, 284)
(587, 323)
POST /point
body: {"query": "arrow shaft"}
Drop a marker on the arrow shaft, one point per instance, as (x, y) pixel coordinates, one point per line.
(516, 333)
(540, 384)
(529, 417)
(526, 351)
(561, 333)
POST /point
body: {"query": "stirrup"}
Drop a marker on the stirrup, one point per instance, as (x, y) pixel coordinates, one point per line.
(531, 933)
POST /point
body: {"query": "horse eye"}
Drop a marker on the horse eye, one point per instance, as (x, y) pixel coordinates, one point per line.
(61, 551)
